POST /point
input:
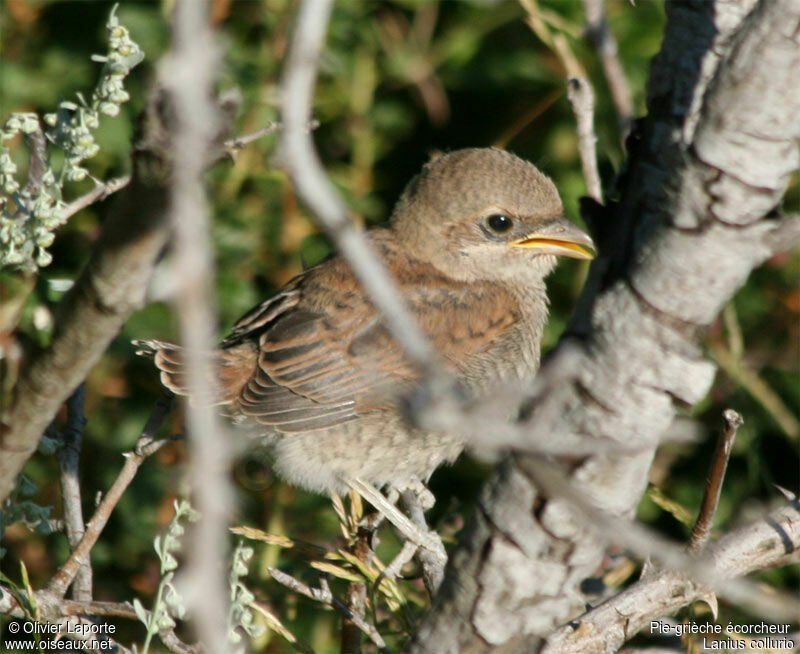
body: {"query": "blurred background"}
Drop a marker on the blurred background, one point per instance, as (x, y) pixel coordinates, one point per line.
(399, 81)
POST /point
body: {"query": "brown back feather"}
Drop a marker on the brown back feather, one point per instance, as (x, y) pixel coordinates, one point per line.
(318, 354)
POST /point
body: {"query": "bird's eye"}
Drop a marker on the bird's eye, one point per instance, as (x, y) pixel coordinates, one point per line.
(499, 222)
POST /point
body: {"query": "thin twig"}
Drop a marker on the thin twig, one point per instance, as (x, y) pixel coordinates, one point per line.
(89, 316)
(400, 520)
(191, 76)
(719, 463)
(235, 144)
(100, 192)
(579, 93)
(325, 596)
(764, 544)
(752, 382)
(113, 609)
(529, 115)
(356, 595)
(556, 41)
(301, 160)
(647, 543)
(145, 446)
(274, 624)
(581, 97)
(606, 45)
(69, 463)
(51, 597)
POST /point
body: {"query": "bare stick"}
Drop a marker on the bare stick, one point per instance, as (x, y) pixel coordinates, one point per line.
(192, 73)
(764, 544)
(300, 159)
(555, 41)
(606, 46)
(115, 609)
(325, 596)
(647, 543)
(719, 463)
(69, 460)
(579, 93)
(356, 596)
(145, 446)
(581, 97)
(90, 315)
(234, 144)
(738, 370)
(100, 192)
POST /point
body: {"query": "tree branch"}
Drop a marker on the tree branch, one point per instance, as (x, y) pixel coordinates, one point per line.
(772, 541)
(100, 192)
(145, 446)
(719, 463)
(696, 190)
(606, 45)
(69, 461)
(581, 97)
(91, 314)
(301, 161)
(191, 75)
(324, 595)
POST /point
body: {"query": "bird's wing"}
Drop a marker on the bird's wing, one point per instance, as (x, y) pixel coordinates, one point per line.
(324, 355)
(318, 353)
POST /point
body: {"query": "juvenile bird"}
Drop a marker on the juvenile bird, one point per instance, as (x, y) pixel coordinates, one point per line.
(314, 367)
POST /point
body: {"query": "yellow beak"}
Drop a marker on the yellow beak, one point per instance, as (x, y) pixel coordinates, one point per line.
(561, 238)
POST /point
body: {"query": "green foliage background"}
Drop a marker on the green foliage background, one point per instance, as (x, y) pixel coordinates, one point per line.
(399, 80)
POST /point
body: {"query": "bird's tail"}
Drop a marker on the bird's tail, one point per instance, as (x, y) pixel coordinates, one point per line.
(170, 360)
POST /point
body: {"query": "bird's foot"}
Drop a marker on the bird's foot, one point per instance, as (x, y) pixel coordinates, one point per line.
(433, 563)
(392, 571)
(419, 536)
(423, 493)
(419, 539)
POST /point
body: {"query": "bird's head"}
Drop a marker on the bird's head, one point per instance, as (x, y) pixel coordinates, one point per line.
(485, 214)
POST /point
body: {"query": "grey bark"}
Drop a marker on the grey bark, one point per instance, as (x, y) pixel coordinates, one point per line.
(707, 170)
(771, 541)
(90, 315)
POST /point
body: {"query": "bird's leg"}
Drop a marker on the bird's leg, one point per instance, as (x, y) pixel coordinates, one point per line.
(415, 501)
(392, 571)
(420, 537)
(423, 494)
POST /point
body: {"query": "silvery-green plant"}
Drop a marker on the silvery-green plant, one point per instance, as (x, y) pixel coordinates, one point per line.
(168, 604)
(240, 615)
(30, 214)
(18, 507)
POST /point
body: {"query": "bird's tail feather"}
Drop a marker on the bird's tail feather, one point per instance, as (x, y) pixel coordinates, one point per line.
(170, 360)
